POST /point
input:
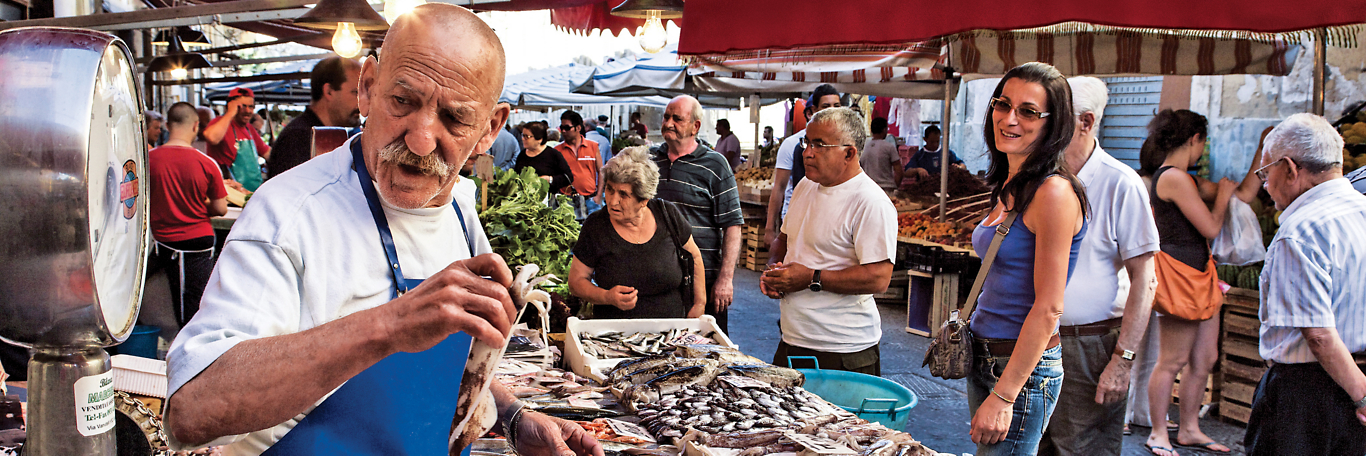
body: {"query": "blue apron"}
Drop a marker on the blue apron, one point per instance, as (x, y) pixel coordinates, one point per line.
(402, 405)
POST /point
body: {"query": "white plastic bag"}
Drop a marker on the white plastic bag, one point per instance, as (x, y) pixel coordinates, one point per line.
(1239, 242)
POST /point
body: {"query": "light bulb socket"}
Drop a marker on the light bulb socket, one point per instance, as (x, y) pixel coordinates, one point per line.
(641, 9)
(328, 13)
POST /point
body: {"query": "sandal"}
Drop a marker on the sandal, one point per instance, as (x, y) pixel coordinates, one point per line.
(1155, 449)
(1204, 446)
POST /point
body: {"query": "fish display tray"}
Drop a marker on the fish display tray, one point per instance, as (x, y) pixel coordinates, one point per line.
(588, 366)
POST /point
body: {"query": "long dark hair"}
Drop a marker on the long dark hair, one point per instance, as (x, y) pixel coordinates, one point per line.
(1048, 157)
(1168, 131)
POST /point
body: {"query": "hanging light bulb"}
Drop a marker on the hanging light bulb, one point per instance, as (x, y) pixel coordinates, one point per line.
(346, 42)
(652, 37)
(395, 8)
(179, 73)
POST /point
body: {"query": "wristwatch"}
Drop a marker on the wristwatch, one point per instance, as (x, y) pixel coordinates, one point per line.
(1126, 354)
(816, 280)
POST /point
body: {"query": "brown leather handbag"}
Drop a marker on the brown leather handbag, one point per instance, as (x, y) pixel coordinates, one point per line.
(950, 353)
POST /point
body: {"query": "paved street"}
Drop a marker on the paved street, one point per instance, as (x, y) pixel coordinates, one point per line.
(941, 419)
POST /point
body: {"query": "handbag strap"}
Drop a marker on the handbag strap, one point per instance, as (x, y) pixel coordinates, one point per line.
(1002, 230)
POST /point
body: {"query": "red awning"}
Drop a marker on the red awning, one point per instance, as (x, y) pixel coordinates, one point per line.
(720, 26)
(595, 15)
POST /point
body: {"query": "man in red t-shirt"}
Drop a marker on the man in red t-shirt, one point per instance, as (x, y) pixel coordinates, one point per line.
(233, 132)
(187, 189)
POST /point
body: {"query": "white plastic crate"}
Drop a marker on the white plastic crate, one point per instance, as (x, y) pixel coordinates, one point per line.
(137, 375)
(588, 366)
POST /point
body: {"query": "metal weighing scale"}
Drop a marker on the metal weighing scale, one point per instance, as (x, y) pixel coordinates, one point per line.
(74, 234)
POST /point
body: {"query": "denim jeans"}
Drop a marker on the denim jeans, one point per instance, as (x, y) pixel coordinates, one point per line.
(1032, 407)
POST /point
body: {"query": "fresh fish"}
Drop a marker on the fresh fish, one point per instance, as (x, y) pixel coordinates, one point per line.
(780, 377)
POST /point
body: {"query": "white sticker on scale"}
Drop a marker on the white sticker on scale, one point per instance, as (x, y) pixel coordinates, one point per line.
(95, 404)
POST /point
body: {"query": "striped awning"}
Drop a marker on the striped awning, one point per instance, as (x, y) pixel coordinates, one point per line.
(1087, 49)
(823, 58)
(910, 70)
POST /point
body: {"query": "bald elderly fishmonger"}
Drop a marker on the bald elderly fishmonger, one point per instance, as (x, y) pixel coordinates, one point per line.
(317, 335)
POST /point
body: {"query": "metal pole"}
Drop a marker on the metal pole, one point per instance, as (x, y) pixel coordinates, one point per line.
(1320, 65)
(944, 145)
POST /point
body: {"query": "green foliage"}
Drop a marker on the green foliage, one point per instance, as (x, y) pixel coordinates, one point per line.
(522, 228)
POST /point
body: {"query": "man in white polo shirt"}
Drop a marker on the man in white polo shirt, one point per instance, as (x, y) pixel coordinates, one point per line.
(1108, 300)
(1313, 311)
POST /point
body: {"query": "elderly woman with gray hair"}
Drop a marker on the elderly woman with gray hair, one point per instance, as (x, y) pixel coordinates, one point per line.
(626, 259)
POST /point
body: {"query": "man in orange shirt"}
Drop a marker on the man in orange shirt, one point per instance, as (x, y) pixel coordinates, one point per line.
(584, 163)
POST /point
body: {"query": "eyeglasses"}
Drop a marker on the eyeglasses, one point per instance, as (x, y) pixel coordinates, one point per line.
(1001, 106)
(1261, 172)
(806, 143)
(566, 127)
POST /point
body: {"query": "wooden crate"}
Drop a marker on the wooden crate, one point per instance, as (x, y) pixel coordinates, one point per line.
(1234, 412)
(1212, 389)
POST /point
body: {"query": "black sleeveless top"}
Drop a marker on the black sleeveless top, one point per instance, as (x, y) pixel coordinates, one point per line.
(1178, 236)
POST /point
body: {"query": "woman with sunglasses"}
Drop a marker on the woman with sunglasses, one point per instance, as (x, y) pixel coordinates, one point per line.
(552, 167)
(1017, 364)
(1185, 225)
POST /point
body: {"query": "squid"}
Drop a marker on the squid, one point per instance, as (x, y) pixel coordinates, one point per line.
(475, 411)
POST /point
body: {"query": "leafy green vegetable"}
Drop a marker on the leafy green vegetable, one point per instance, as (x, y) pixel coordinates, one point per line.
(522, 228)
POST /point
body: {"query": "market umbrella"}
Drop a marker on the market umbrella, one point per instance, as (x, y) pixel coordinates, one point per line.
(1189, 33)
(722, 26)
(551, 87)
(662, 74)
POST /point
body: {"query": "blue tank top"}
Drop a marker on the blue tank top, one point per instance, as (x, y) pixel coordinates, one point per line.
(1008, 293)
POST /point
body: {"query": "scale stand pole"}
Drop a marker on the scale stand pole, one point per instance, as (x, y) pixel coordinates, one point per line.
(71, 391)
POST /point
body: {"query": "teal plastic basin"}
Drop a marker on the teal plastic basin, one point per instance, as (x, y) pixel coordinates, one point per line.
(143, 342)
(871, 398)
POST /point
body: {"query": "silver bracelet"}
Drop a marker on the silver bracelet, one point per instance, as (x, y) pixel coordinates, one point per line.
(1361, 403)
(514, 418)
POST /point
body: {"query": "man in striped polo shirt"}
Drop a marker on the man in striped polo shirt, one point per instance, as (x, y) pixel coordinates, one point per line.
(1313, 302)
(701, 183)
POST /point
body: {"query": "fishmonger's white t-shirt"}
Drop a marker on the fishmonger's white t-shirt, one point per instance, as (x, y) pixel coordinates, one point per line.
(833, 228)
(305, 252)
(1121, 227)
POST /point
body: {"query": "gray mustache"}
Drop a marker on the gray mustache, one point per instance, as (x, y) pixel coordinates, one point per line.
(431, 164)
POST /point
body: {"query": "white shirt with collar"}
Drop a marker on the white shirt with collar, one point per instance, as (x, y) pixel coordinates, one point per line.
(1121, 228)
(1313, 275)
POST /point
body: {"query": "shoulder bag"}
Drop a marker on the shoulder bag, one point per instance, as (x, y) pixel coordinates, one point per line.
(950, 353)
(683, 256)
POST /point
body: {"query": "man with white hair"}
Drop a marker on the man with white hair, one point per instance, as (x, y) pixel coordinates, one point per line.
(835, 251)
(1313, 302)
(699, 181)
(1109, 299)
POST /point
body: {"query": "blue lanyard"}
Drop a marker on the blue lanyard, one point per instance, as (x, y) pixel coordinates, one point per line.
(386, 237)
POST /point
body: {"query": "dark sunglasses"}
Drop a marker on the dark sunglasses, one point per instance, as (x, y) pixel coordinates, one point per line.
(566, 127)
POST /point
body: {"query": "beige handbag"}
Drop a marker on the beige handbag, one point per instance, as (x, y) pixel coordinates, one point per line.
(950, 353)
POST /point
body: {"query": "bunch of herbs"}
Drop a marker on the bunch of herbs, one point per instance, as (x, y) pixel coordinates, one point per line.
(523, 229)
